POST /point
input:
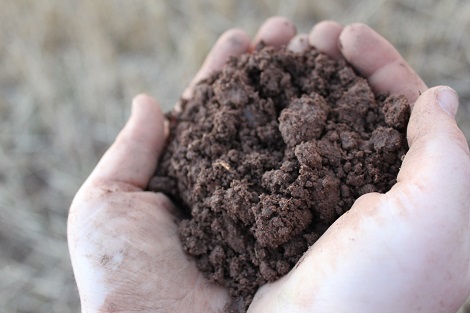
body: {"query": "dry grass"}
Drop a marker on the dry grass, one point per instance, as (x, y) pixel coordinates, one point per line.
(70, 68)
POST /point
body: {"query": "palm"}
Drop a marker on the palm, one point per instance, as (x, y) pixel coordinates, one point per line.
(138, 252)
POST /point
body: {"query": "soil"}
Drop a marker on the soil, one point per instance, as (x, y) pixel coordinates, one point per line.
(268, 154)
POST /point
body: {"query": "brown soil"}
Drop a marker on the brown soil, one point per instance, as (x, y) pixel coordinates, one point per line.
(268, 154)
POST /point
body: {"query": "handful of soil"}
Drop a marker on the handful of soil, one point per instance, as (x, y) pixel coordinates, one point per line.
(268, 154)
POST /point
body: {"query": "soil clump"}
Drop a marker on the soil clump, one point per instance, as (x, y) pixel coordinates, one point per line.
(267, 154)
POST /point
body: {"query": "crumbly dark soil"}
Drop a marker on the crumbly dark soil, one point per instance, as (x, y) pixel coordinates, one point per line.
(268, 154)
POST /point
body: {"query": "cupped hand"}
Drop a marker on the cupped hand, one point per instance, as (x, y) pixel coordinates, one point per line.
(407, 250)
(404, 251)
(123, 241)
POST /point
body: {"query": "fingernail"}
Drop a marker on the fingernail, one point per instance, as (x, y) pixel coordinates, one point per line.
(448, 100)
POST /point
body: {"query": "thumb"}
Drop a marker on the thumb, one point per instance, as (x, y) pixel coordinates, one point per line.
(439, 152)
(130, 162)
(434, 184)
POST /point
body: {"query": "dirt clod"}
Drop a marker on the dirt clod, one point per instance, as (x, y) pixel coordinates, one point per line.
(268, 154)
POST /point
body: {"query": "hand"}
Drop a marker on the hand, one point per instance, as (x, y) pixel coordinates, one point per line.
(124, 242)
(404, 251)
(396, 252)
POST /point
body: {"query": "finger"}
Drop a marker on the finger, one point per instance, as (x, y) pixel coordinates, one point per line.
(438, 149)
(131, 160)
(378, 61)
(299, 43)
(277, 31)
(233, 42)
(324, 36)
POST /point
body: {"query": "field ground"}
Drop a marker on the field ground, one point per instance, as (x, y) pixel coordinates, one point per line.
(69, 69)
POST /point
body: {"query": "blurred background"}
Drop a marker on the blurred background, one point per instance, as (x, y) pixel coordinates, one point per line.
(68, 72)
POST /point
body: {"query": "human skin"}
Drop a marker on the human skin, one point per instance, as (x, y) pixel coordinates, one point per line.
(407, 250)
